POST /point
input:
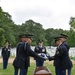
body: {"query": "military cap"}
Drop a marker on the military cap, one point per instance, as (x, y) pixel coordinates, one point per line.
(40, 41)
(57, 38)
(25, 36)
(63, 36)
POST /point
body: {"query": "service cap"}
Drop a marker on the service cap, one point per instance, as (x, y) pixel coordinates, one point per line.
(57, 39)
(25, 35)
(63, 35)
(40, 41)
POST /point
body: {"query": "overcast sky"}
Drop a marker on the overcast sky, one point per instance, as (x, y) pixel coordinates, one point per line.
(49, 13)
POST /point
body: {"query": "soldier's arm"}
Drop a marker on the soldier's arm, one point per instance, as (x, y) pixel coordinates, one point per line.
(61, 50)
(2, 51)
(32, 53)
(51, 58)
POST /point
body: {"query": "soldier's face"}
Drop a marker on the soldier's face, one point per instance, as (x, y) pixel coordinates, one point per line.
(29, 40)
(57, 43)
(63, 39)
(40, 43)
(7, 44)
(22, 39)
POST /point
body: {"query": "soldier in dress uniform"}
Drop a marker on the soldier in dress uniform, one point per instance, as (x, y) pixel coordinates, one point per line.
(22, 60)
(61, 58)
(63, 38)
(40, 50)
(5, 54)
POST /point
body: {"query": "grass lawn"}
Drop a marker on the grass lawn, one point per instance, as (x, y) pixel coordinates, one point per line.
(10, 69)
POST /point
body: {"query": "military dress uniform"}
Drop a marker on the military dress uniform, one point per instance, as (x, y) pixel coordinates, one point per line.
(68, 71)
(61, 60)
(5, 55)
(39, 50)
(66, 45)
(22, 60)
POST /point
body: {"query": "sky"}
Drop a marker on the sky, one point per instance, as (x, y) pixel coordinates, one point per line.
(50, 13)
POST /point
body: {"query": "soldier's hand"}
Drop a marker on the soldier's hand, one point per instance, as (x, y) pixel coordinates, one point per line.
(39, 54)
(51, 58)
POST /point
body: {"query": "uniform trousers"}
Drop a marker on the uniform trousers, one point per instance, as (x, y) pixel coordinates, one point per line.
(20, 71)
(39, 63)
(5, 63)
(62, 72)
(69, 71)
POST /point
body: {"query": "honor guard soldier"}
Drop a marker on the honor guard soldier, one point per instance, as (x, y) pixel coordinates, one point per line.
(40, 50)
(22, 60)
(5, 55)
(61, 58)
(63, 38)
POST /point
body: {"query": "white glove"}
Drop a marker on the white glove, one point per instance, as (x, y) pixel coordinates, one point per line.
(39, 54)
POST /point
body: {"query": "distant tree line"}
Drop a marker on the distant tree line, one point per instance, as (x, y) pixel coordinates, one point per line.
(9, 31)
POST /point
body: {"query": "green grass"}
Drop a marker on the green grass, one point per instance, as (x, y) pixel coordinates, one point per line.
(7, 71)
(10, 69)
(73, 58)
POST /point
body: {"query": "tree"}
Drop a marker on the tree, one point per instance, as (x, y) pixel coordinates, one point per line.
(51, 34)
(33, 28)
(2, 38)
(7, 24)
(72, 22)
(71, 38)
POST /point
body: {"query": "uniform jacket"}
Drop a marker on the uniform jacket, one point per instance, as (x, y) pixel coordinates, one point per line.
(6, 52)
(23, 54)
(66, 45)
(39, 50)
(61, 58)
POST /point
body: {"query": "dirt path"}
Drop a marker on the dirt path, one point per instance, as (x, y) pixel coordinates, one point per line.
(31, 60)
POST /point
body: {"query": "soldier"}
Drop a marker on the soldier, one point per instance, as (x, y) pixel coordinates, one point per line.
(40, 50)
(63, 38)
(22, 60)
(61, 58)
(5, 55)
